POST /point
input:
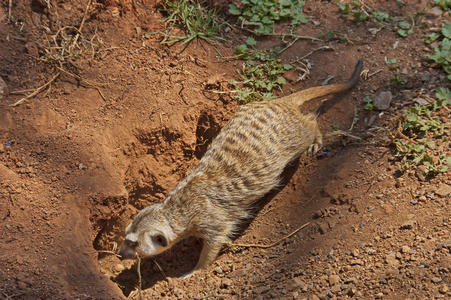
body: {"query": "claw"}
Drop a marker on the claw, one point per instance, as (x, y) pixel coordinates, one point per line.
(313, 149)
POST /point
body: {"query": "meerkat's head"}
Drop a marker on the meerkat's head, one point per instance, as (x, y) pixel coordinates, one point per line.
(148, 234)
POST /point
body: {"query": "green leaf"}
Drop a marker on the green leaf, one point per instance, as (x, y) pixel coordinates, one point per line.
(402, 32)
(391, 61)
(241, 49)
(251, 41)
(404, 25)
(446, 30)
(234, 10)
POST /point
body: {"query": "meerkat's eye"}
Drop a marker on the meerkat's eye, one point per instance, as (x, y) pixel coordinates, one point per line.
(160, 240)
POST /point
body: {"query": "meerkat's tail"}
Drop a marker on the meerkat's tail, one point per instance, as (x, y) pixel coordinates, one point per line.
(306, 95)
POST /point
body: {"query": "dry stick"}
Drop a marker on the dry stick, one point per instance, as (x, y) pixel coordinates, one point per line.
(139, 277)
(313, 51)
(83, 81)
(82, 21)
(270, 245)
(37, 91)
(301, 37)
(161, 270)
(343, 133)
(10, 4)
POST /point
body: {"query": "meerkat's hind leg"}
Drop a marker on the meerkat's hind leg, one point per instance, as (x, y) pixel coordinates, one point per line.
(317, 143)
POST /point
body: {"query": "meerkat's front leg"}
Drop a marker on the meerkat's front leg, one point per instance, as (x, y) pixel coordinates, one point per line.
(209, 252)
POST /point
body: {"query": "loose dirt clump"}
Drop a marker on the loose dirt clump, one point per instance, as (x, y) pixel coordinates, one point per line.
(120, 119)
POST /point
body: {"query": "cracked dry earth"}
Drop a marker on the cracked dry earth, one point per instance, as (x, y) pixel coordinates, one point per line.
(131, 117)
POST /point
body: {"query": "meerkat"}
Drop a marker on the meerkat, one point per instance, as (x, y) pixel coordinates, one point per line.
(243, 163)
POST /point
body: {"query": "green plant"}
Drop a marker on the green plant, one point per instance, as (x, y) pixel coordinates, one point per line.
(422, 132)
(391, 63)
(444, 4)
(263, 14)
(357, 11)
(335, 129)
(192, 17)
(369, 103)
(261, 73)
(442, 54)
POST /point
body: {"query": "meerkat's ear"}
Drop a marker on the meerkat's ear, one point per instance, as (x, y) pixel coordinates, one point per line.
(159, 239)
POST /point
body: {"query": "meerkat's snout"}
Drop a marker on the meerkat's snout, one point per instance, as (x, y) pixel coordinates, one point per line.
(127, 250)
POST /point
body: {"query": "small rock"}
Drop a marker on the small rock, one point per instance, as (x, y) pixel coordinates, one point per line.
(436, 280)
(323, 228)
(239, 273)
(405, 249)
(118, 268)
(335, 289)
(358, 262)
(443, 190)
(382, 101)
(435, 11)
(178, 292)
(261, 290)
(408, 224)
(421, 101)
(446, 244)
(379, 295)
(4, 92)
(391, 260)
(334, 279)
(444, 289)
(225, 283)
(295, 283)
(408, 95)
(352, 292)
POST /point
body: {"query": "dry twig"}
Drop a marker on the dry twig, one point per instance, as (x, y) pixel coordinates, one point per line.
(270, 245)
(36, 91)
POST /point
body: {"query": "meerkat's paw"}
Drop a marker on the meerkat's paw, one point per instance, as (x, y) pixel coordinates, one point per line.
(313, 149)
(188, 275)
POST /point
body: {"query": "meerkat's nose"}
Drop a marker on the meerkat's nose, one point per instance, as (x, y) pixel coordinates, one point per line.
(126, 252)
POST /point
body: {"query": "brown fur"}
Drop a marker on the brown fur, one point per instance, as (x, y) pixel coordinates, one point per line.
(243, 163)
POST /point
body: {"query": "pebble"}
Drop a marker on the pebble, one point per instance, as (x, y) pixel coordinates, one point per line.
(436, 280)
(118, 268)
(405, 249)
(435, 11)
(335, 289)
(295, 283)
(391, 260)
(261, 290)
(408, 224)
(444, 289)
(239, 273)
(334, 279)
(225, 283)
(443, 190)
(383, 100)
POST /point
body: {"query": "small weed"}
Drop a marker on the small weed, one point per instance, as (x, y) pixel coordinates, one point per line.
(261, 73)
(444, 4)
(263, 14)
(192, 17)
(422, 132)
(358, 11)
(369, 103)
(442, 54)
(391, 63)
(346, 134)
